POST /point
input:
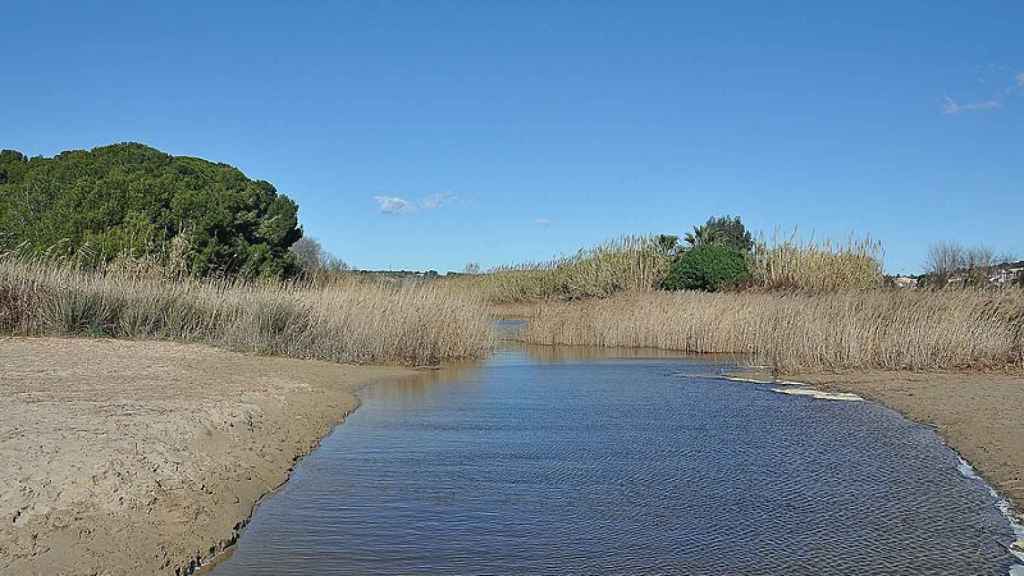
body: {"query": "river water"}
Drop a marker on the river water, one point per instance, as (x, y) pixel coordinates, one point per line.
(581, 461)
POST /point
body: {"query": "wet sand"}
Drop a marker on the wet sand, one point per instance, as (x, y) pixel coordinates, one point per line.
(137, 458)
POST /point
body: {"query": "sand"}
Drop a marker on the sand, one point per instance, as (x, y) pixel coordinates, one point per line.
(138, 458)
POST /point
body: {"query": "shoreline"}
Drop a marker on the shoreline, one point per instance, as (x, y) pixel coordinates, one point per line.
(178, 444)
(967, 410)
(147, 457)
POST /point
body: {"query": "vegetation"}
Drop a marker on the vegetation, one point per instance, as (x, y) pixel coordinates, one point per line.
(950, 264)
(132, 201)
(362, 322)
(708, 267)
(723, 230)
(630, 264)
(817, 267)
(315, 263)
(793, 332)
(719, 254)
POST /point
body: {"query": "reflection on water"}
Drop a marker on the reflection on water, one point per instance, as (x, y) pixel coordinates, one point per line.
(577, 461)
(540, 353)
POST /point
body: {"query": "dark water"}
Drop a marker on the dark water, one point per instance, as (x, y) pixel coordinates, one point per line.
(556, 462)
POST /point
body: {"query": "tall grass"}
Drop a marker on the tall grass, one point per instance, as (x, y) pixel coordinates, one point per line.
(885, 329)
(360, 322)
(628, 264)
(817, 266)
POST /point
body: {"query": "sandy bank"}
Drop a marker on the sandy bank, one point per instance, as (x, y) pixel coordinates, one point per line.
(135, 457)
(979, 415)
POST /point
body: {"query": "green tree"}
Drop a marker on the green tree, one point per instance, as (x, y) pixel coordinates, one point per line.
(667, 243)
(709, 267)
(725, 230)
(132, 200)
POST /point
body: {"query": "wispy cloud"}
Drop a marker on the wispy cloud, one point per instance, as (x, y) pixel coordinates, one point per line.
(394, 205)
(399, 205)
(437, 200)
(542, 221)
(951, 106)
(1004, 95)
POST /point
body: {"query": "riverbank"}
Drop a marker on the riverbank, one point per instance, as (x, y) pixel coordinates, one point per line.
(122, 457)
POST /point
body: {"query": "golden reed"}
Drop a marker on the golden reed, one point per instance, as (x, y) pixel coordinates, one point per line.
(885, 329)
(358, 322)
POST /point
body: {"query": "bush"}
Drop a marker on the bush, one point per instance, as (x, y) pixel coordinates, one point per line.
(710, 267)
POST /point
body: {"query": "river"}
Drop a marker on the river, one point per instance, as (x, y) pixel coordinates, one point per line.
(584, 461)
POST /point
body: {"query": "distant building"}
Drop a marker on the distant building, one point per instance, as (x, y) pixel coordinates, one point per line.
(1006, 274)
(904, 282)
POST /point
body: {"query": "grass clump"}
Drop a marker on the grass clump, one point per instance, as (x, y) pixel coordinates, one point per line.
(357, 322)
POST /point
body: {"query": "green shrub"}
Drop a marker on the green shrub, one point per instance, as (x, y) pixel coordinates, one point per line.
(709, 267)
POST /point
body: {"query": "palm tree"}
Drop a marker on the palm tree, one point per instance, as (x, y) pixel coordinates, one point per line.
(701, 236)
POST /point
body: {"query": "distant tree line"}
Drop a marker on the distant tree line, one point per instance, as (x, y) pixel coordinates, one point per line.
(130, 200)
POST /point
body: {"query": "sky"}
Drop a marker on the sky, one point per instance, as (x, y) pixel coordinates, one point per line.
(426, 135)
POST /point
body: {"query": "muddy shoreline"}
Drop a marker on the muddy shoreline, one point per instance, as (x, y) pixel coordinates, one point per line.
(121, 458)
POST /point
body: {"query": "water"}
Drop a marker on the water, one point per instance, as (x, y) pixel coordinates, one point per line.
(552, 461)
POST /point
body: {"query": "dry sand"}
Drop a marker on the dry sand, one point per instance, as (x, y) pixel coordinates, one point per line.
(138, 458)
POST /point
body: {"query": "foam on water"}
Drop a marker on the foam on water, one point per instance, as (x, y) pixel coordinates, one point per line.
(1017, 548)
(819, 394)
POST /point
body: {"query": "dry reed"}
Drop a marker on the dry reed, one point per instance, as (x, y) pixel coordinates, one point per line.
(360, 322)
(886, 329)
(817, 266)
(629, 264)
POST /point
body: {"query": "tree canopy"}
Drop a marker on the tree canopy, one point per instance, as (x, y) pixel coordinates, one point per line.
(725, 230)
(130, 199)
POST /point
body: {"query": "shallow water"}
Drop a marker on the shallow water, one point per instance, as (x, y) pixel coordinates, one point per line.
(566, 461)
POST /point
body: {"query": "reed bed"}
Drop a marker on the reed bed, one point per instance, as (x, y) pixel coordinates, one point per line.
(817, 266)
(628, 264)
(793, 332)
(361, 322)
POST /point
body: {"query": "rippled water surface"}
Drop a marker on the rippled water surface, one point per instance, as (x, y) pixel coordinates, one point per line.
(547, 461)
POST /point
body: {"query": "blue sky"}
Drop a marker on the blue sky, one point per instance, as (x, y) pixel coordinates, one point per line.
(430, 134)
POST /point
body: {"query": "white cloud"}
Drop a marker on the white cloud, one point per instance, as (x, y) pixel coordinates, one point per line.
(394, 205)
(437, 200)
(1020, 79)
(951, 106)
(542, 221)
